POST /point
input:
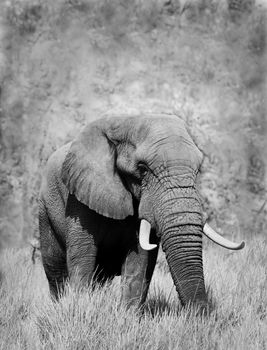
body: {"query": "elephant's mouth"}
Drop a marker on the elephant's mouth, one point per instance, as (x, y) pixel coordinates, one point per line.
(145, 228)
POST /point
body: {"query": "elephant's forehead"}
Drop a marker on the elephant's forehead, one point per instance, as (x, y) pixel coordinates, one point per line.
(170, 148)
(170, 142)
(155, 128)
(167, 132)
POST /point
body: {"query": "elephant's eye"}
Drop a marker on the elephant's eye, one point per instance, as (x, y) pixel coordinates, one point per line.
(143, 169)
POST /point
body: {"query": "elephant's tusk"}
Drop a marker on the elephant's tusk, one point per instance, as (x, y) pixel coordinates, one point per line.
(144, 236)
(215, 237)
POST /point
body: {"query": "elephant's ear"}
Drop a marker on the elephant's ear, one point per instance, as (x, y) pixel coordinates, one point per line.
(89, 173)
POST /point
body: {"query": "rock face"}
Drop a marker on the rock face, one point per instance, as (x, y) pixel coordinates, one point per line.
(64, 65)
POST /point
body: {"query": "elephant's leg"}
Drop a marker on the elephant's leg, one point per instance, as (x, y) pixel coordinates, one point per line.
(53, 255)
(136, 275)
(81, 256)
(81, 246)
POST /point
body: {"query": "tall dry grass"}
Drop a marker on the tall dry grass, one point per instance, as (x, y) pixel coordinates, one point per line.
(95, 319)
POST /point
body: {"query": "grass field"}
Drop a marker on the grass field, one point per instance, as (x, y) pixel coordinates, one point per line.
(236, 281)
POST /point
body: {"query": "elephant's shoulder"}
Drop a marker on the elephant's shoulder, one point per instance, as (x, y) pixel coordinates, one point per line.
(52, 172)
(57, 158)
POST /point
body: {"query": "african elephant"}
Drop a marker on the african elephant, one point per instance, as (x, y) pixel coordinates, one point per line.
(119, 174)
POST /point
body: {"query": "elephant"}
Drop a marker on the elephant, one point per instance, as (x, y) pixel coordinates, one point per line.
(124, 185)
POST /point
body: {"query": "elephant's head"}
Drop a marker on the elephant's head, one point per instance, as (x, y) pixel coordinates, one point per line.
(150, 160)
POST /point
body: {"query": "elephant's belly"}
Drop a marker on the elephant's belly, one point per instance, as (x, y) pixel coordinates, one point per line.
(115, 240)
(110, 261)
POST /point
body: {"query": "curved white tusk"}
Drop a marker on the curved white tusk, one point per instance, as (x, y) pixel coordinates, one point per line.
(215, 237)
(144, 235)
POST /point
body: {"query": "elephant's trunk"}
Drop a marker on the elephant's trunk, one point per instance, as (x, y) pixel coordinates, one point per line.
(181, 236)
(184, 257)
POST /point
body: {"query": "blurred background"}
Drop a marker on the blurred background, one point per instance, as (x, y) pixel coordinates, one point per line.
(64, 63)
